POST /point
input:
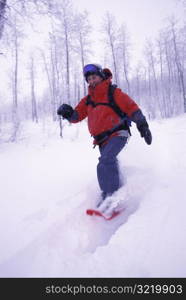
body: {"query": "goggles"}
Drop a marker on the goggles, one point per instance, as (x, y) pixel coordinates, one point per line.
(91, 69)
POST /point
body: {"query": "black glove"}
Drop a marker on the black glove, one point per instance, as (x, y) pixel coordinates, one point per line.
(66, 111)
(144, 130)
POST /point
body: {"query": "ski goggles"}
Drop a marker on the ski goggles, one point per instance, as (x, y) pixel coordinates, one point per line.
(91, 69)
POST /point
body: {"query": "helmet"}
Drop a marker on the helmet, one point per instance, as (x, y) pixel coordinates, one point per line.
(91, 69)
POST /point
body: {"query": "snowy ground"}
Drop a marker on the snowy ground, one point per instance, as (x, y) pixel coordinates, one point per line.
(47, 183)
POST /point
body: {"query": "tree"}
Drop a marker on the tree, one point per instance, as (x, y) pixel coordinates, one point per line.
(33, 95)
(109, 29)
(179, 65)
(2, 15)
(152, 76)
(125, 59)
(82, 32)
(15, 55)
(162, 79)
(64, 14)
(51, 84)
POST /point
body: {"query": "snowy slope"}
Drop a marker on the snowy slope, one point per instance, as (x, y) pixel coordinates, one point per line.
(47, 184)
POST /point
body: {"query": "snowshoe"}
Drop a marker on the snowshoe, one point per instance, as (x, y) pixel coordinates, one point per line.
(108, 208)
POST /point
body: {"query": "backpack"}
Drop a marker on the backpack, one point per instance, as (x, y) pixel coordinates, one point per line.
(111, 103)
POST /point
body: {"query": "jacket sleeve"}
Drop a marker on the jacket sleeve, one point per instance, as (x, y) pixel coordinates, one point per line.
(125, 103)
(80, 111)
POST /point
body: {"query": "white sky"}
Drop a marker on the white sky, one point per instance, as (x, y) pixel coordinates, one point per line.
(144, 18)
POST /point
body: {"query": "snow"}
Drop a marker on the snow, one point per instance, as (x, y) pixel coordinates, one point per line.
(47, 183)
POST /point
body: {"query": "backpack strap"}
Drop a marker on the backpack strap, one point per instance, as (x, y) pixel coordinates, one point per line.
(90, 102)
(117, 109)
(112, 102)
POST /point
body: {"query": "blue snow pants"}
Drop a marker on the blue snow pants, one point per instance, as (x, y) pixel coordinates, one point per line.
(107, 168)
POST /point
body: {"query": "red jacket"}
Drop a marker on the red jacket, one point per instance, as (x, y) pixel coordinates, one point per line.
(102, 118)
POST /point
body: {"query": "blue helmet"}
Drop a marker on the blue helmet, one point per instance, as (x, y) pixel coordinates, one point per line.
(91, 69)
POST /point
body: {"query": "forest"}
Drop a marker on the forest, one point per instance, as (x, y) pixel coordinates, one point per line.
(44, 45)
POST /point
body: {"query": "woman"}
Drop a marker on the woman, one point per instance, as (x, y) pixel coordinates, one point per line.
(107, 123)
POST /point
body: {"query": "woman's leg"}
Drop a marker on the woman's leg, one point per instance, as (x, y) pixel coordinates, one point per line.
(107, 168)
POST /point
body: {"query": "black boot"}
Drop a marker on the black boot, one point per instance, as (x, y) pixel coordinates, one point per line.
(103, 195)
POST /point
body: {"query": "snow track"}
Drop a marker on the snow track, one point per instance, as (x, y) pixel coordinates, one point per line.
(74, 235)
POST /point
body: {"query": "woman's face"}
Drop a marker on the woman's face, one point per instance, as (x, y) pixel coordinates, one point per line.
(94, 79)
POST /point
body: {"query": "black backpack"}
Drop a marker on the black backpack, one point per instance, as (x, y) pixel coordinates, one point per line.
(111, 103)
